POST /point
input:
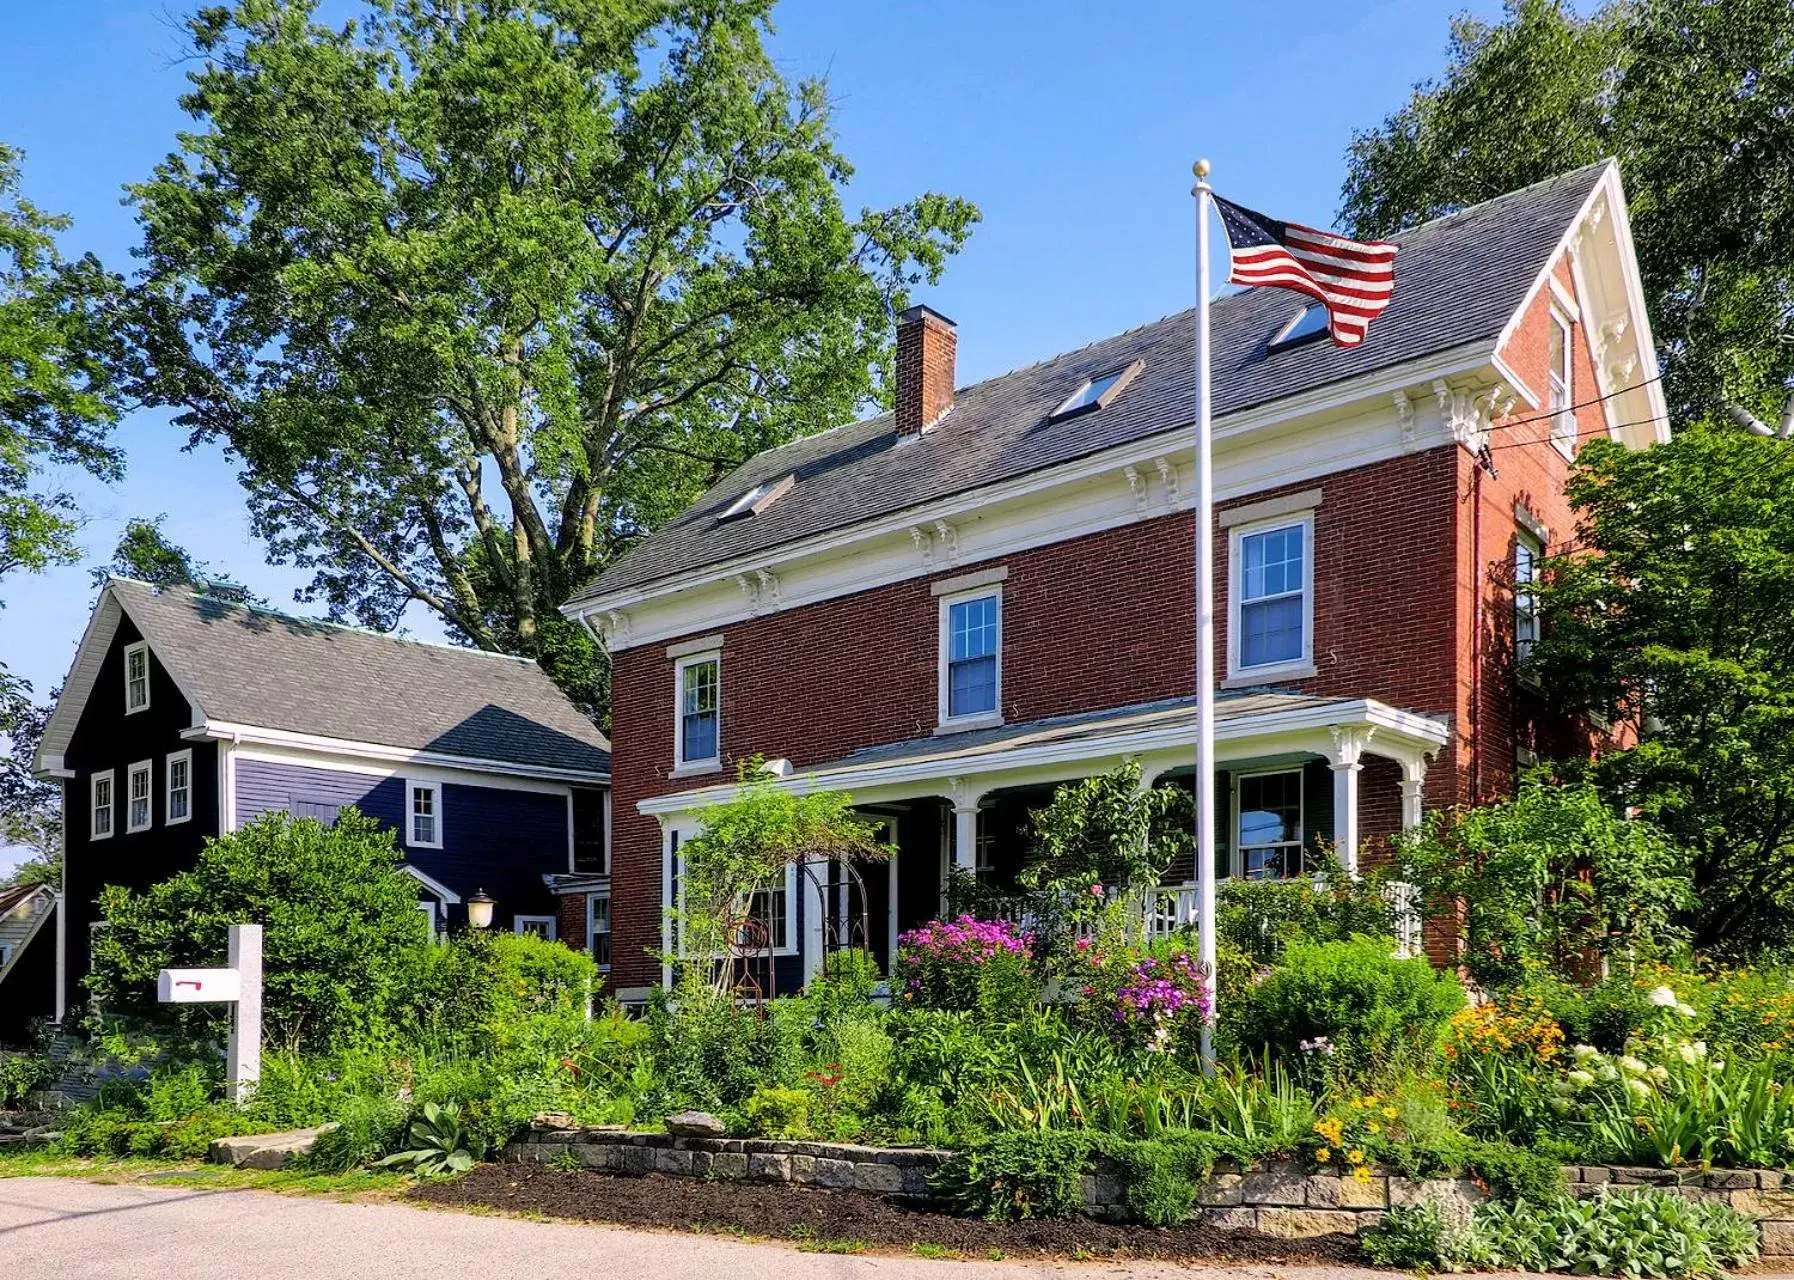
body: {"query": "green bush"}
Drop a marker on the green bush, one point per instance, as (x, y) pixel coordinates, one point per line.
(21, 1075)
(772, 1112)
(1373, 1010)
(1409, 1238)
(341, 939)
(1645, 1233)
(367, 1130)
(1161, 1177)
(1035, 1174)
(1261, 918)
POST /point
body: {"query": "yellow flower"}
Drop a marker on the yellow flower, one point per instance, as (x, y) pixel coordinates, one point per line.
(1389, 1113)
(1323, 1155)
(1354, 1156)
(1374, 1127)
(1361, 1173)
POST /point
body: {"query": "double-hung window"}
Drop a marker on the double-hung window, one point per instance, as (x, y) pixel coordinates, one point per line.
(1528, 553)
(137, 690)
(1272, 610)
(542, 926)
(1562, 386)
(698, 729)
(1270, 824)
(179, 806)
(971, 668)
(423, 814)
(139, 814)
(598, 929)
(101, 827)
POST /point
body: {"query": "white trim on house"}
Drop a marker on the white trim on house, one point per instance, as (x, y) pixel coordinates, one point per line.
(94, 809)
(1564, 428)
(945, 721)
(447, 895)
(145, 769)
(551, 925)
(712, 763)
(1295, 668)
(133, 651)
(414, 787)
(169, 790)
(347, 750)
(701, 645)
(308, 759)
(1290, 504)
(1236, 857)
(610, 930)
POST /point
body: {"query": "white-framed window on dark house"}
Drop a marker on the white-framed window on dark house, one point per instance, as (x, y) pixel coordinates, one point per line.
(1561, 380)
(178, 806)
(542, 926)
(598, 929)
(139, 805)
(432, 917)
(1271, 606)
(423, 815)
(137, 684)
(971, 658)
(769, 911)
(697, 732)
(1529, 555)
(101, 798)
(1269, 827)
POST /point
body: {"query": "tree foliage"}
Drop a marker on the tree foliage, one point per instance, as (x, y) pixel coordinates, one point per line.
(342, 936)
(1691, 96)
(1553, 876)
(1675, 620)
(481, 293)
(30, 808)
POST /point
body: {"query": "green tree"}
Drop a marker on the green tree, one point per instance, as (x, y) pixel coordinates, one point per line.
(1691, 96)
(1675, 621)
(481, 293)
(342, 936)
(30, 808)
(144, 552)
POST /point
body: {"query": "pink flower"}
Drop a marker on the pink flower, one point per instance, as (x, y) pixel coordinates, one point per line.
(1096, 891)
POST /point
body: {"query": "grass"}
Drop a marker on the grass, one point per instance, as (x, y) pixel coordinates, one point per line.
(832, 1246)
(937, 1252)
(138, 1169)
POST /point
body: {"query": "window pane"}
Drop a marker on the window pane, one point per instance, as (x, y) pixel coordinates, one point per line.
(1271, 631)
(697, 709)
(700, 736)
(1273, 563)
(972, 625)
(972, 687)
(972, 641)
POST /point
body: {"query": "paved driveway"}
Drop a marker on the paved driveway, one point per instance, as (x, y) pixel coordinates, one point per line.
(72, 1230)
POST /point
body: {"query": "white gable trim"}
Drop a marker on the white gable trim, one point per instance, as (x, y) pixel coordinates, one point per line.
(346, 749)
(438, 889)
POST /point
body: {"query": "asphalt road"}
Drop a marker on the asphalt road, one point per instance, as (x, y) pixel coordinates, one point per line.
(73, 1230)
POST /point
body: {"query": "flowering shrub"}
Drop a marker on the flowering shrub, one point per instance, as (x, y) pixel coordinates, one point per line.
(1156, 999)
(1353, 1131)
(1520, 1025)
(1501, 1062)
(966, 964)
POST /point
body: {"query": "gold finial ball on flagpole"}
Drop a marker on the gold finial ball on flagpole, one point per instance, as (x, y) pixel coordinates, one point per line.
(1200, 169)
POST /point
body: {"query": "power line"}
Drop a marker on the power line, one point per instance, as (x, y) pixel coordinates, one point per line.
(1580, 404)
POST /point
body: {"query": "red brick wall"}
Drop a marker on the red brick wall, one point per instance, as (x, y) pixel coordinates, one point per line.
(1412, 606)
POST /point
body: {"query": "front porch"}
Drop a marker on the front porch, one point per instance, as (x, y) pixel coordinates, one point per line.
(1298, 779)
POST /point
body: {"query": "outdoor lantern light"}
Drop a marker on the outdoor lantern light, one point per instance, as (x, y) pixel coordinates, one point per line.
(479, 910)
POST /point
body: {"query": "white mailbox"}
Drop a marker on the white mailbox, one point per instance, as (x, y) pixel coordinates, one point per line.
(198, 986)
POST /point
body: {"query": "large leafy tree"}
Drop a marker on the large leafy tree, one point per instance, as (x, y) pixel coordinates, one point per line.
(1692, 97)
(480, 292)
(1674, 620)
(30, 809)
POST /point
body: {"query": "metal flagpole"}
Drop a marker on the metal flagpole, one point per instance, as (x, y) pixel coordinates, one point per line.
(1205, 621)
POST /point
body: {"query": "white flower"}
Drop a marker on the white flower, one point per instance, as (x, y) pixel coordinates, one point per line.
(1663, 998)
(1686, 1010)
(1606, 1072)
(1692, 1053)
(1584, 1052)
(1632, 1066)
(1659, 1074)
(1640, 1089)
(1581, 1079)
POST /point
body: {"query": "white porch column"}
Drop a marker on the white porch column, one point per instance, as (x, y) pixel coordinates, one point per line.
(1348, 752)
(1413, 783)
(964, 798)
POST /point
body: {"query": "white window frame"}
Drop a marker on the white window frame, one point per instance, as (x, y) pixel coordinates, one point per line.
(943, 664)
(185, 759)
(1560, 382)
(1298, 667)
(145, 769)
(136, 650)
(786, 946)
(1238, 860)
(519, 923)
(412, 787)
(709, 764)
(432, 911)
(1526, 599)
(93, 805)
(592, 927)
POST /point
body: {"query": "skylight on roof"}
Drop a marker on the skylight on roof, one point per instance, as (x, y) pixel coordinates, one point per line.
(757, 499)
(1310, 322)
(1095, 393)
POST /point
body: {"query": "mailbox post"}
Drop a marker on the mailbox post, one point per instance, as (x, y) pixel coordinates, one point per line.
(240, 985)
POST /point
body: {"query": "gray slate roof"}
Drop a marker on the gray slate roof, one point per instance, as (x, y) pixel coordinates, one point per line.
(1458, 280)
(257, 667)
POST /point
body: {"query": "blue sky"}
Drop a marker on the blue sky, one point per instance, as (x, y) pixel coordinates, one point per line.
(1072, 125)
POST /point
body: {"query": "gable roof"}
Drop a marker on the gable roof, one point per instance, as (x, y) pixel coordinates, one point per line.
(1459, 279)
(246, 666)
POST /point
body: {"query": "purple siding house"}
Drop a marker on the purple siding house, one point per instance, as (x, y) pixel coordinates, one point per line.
(188, 712)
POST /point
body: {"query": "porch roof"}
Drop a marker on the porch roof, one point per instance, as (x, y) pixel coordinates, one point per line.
(1248, 723)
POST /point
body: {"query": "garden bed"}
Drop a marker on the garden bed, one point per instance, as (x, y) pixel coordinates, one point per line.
(852, 1220)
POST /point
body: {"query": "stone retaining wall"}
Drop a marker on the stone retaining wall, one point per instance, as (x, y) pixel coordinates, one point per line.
(1278, 1197)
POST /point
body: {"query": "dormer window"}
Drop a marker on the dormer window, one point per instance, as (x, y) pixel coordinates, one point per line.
(1310, 322)
(1098, 392)
(137, 691)
(757, 499)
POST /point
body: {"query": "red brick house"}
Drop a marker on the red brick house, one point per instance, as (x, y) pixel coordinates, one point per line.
(951, 608)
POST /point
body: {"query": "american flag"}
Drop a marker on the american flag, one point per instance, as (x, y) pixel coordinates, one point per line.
(1351, 278)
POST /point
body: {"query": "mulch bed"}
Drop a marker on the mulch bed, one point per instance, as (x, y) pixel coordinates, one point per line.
(837, 1219)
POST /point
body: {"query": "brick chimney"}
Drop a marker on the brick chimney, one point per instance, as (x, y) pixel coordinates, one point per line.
(926, 341)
